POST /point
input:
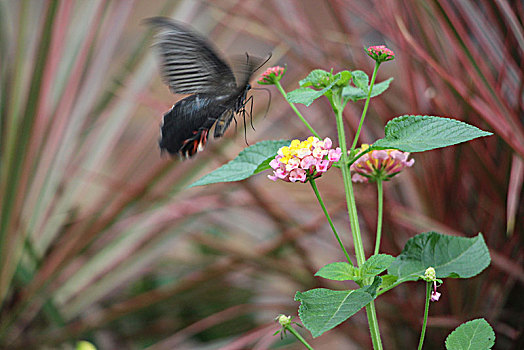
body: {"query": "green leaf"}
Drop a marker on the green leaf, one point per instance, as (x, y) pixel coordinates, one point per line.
(417, 133)
(306, 95)
(342, 78)
(323, 309)
(388, 281)
(244, 165)
(354, 93)
(452, 257)
(318, 78)
(361, 80)
(376, 264)
(264, 165)
(339, 271)
(472, 335)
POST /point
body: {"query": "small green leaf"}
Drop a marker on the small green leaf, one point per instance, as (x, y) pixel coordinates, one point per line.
(244, 165)
(342, 78)
(318, 78)
(373, 287)
(452, 257)
(417, 133)
(376, 264)
(305, 95)
(338, 271)
(355, 94)
(323, 309)
(473, 335)
(361, 80)
(388, 281)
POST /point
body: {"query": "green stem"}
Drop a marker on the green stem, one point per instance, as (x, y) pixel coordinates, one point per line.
(353, 219)
(426, 311)
(364, 111)
(299, 337)
(319, 198)
(373, 326)
(348, 186)
(380, 214)
(281, 89)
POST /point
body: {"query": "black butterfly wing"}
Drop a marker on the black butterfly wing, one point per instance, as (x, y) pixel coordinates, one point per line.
(189, 63)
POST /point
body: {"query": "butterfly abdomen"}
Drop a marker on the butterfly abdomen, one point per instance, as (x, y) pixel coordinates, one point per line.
(186, 125)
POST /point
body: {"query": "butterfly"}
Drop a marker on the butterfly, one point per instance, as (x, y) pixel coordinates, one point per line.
(190, 65)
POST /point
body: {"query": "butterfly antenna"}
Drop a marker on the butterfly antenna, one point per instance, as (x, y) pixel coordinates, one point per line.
(268, 102)
(267, 59)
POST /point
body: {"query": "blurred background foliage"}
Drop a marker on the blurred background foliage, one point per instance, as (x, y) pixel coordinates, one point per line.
(99, 240)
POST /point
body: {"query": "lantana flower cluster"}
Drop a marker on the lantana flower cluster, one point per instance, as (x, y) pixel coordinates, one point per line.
(379, 164)
(431, 276)
(302, 160)
(272, 75)
(380, 53)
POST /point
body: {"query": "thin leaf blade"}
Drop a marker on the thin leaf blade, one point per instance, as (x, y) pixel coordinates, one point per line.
(244, 165)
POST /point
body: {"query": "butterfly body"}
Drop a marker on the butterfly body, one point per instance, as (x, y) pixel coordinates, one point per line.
(185, 127)
(190, 65)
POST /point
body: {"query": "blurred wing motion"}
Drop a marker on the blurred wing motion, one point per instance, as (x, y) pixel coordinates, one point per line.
(190, 65)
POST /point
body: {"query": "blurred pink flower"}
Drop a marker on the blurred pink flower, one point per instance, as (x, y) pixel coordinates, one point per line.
(380, 53)
(435, 296)
(379, 164)
(272, 75)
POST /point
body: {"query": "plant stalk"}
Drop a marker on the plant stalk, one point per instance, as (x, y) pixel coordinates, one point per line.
(321, 202)
(380, 195)
(281, 89)
(426, 311)
(299, 337)
(364, 111)
(353, 218)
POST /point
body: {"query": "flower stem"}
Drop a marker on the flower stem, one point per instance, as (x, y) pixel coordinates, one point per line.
(299, 337)
(281, 89)
(353, 219)
(426, 311)
(317, 193)
(373, 326)
(364, 111)
(380, 194)
(348, 186)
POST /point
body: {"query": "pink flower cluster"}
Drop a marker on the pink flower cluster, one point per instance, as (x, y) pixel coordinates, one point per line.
(272, 75)
(379, 164)
(302, 160)
(380, 53)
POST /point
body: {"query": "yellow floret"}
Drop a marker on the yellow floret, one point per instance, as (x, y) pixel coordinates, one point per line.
(285, 151)
(294, 143)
